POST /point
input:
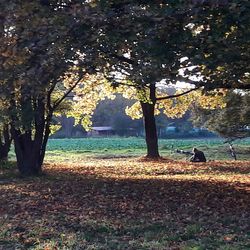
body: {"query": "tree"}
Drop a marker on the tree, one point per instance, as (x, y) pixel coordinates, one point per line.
(49, 46)
(148, 42)
(231, 122)
(39, 69)
(5, 141)
(145, 42)
(5, 137)
(112, 113)
(220, 53)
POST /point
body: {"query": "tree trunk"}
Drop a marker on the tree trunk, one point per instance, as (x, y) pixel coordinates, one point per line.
(150, 130)
(27, 153)
(30, 141)
(5, 142)
(3, 152)
(148, 109)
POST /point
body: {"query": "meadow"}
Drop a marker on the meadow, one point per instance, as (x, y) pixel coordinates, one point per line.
(73, 150)
(102, 194)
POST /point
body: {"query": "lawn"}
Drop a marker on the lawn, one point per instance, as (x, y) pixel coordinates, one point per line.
(127, 203)
(75, 150)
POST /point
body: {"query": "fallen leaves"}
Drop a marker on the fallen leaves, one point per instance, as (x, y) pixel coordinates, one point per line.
(128, 204)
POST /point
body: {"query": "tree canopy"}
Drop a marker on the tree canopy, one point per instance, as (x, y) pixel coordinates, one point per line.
(231, 122)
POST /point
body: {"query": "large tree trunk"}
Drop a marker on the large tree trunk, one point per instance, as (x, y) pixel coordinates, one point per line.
(27, 153)
(150, 130)
(30, 151)
(5, 142)
(148, 109)
(30, 141)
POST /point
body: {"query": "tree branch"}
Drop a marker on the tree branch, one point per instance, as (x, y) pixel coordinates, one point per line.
(122, 58)
(232, 86)
(58, 102)
(215, 85)
(177, 95)
(49, 106)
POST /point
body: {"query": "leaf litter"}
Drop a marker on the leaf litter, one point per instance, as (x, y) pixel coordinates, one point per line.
(128, 204)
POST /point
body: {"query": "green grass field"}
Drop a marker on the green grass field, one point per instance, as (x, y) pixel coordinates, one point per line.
(73, 150)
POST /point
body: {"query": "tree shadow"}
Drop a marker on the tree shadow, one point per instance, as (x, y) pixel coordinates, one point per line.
(71, 202)
(234, 167)
(163, 192)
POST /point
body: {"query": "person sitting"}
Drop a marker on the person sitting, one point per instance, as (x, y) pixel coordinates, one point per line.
(198, 156)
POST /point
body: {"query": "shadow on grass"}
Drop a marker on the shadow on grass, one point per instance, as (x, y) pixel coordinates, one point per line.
(75, 210)
(217, 167)
(232, 169)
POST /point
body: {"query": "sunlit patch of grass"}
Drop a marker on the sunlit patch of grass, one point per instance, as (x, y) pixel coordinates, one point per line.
(75, 150)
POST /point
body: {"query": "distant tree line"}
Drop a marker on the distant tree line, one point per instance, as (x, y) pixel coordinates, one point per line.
(112, 113)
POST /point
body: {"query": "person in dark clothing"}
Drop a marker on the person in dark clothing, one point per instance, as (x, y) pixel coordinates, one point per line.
(232, 151)
(198, 156)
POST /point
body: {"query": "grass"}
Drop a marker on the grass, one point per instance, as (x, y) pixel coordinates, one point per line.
(127, 203)
(75, 150)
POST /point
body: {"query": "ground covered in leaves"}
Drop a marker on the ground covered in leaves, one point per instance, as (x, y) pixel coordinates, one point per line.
(127, 204)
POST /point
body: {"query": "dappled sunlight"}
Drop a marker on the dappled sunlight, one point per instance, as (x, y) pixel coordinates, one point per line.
(136, 168)
(164, 203)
